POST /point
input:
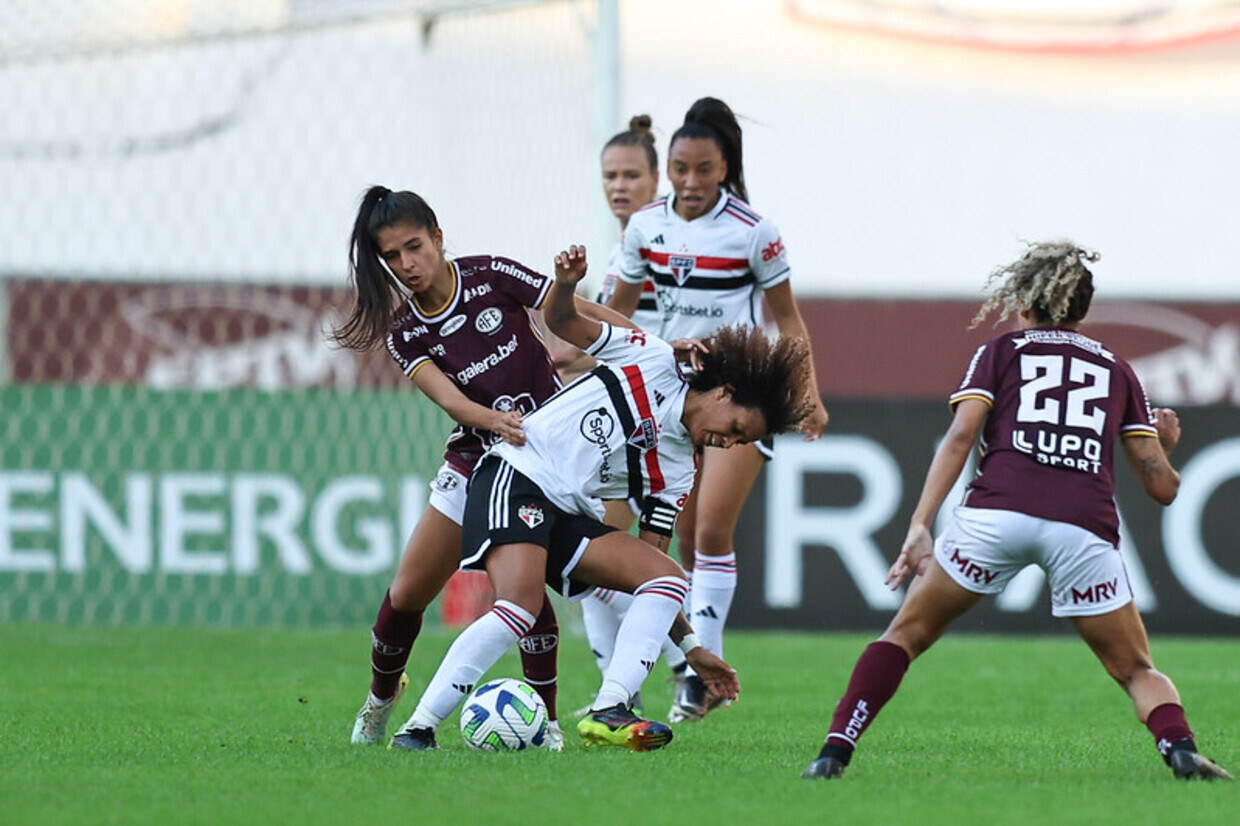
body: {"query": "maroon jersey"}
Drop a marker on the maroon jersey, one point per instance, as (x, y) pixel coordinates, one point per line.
(1059, 402)
(483, 339)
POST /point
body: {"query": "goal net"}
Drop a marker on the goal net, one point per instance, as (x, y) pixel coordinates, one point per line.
(180, 445)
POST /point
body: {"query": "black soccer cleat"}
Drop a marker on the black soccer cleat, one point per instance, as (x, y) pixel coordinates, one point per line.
(691, 702)
(1187, 765)
(414, 739)
(824, 768)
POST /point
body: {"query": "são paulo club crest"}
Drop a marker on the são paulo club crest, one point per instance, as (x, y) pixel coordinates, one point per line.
(681, 266)
(646, 436)
(531, 515)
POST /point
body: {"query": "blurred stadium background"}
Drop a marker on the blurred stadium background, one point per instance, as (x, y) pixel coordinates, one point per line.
(178, 179)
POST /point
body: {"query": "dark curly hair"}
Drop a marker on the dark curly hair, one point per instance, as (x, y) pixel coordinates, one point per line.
(772, 376)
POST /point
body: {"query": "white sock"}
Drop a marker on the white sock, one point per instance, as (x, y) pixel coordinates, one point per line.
(602, 623)
(714, 585)
(476, 649)
(645, 625)
(672, 655)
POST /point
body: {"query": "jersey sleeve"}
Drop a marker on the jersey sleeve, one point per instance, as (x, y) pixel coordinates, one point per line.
(409, 354)
(622, 345)
(519, 282)
(768, 257)
(630, 265)
(1138, 419)
(979, 378)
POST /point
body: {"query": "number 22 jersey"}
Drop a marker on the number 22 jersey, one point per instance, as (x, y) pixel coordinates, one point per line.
(1059, 402)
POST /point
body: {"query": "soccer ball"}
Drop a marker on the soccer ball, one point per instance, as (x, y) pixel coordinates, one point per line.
(504, 715)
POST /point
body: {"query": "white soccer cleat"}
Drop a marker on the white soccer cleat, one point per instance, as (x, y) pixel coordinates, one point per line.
(370, 727)
(554, 738)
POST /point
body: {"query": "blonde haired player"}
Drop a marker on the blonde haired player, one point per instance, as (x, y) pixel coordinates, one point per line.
(1049, 405)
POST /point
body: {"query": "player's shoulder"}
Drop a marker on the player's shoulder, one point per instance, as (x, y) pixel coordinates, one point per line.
(650, 215)
(736, 211)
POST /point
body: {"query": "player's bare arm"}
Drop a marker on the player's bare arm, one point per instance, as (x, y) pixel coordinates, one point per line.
(1148, 459)
(440, 389)
(719, 677)
(625, 298)
(949, 460)
(601, 312)
(790, 323)
(560, 308)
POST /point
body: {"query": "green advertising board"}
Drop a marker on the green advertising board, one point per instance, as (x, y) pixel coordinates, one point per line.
(127, 505)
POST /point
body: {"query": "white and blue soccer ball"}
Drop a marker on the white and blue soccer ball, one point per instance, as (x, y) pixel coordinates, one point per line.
(504, 715)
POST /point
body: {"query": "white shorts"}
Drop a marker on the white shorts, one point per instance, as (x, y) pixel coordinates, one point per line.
(448, 490)
(982, 549)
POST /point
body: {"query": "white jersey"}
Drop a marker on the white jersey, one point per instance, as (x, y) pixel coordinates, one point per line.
(708, 272)
(615, 433)
(647, 314)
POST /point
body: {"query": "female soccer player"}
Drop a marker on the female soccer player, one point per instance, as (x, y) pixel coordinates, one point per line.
(712, 259)
(630, 165)
(1049, 405)
(460, 330)
(631, 427)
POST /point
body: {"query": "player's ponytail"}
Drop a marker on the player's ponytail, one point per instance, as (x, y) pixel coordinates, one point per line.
(638, 134)
(377, 291)
(712, 118)
(1050, 280)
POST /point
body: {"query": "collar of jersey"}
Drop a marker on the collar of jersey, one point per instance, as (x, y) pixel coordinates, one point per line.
(719, 206)
(448, 306)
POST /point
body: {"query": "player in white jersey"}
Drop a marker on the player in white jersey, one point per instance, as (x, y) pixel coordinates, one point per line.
(630, 166)
(1048, 405)
(631, 426)
(713, 259)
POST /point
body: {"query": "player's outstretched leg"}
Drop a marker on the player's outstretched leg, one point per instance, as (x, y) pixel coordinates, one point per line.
(617, 726)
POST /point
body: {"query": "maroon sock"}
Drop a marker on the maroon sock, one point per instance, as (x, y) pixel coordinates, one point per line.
(539, 649)
(391, 640)
(1170, 728)
(874, 681)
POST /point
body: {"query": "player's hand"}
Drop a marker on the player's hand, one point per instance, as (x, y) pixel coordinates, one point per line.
(690, 350)
(720, 678)
(914, 556)
(508, 427)
(1168, 424)
(570, 265)
(816, 422)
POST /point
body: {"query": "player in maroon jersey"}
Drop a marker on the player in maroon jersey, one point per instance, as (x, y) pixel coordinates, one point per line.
(461, 331)
(1049, 405)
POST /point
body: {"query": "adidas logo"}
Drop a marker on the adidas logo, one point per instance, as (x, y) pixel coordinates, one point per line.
(648, 665)
(658, 397)
(708, 611)
(464, 689)
(658, 239)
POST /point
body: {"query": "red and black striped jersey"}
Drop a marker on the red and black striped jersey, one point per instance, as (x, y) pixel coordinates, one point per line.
(708, 272)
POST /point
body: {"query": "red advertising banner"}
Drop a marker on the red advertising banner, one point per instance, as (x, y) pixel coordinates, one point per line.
(1185, 353)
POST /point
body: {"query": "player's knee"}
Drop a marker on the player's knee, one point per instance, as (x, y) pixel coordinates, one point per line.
(714, 537)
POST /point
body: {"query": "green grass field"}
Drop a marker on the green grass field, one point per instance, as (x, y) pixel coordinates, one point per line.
(184, 726)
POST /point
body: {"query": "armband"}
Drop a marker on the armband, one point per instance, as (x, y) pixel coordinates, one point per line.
(689, 643)
(657, 516)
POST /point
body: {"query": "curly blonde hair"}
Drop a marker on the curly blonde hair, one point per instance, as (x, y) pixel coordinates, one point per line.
(1050, 279)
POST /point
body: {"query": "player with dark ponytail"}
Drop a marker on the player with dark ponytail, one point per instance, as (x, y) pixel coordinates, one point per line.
(713, 260)
(439, 318)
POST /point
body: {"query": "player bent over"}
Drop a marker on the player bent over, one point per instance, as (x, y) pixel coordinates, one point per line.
(629, 428)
